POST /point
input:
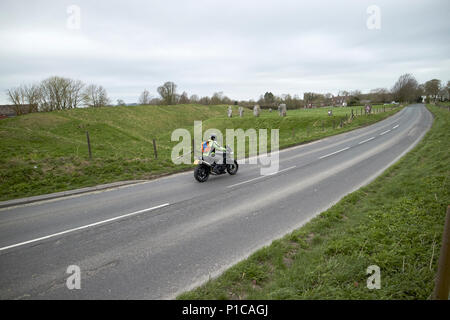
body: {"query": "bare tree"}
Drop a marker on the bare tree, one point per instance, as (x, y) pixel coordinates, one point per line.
(75, 93)
(356, 93)
(420, 91)
(176, 99)
(33, 96)
(432, 88)
(17, 97)
(95, 96)
(168, 92)
(184, 98)
(217, 98)
(25, 95)
(226, 100)
(145, 98)
(405, 89)
(194, 98)
(57, 93)
(54, 93)
(120, 102)
(380, 95)
(343, 93)
(204, 100)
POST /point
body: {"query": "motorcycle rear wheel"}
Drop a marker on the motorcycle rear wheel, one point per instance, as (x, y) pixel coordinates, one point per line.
(232, 169)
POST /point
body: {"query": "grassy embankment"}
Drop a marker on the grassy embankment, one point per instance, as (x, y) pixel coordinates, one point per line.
(395, 222)
(47, 152)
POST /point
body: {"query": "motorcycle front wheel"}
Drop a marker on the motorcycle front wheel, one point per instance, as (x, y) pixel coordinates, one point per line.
(201, 173)
(232, 168)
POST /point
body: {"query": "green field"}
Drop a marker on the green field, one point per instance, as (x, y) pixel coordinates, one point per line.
(395, 222)
(47, 152)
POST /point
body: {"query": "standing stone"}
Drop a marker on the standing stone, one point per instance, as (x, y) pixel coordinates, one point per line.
(270, 109)
(241, 112)
(230, 112)
(282, 110)
(256, 110)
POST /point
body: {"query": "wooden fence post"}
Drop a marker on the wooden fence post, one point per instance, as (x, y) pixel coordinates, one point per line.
(154, 149)
(442, 286)
(89, 144)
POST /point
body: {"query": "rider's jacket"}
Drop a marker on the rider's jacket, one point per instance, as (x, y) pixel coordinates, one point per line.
(211, 147)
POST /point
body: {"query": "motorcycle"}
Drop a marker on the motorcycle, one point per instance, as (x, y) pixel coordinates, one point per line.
(207, 165)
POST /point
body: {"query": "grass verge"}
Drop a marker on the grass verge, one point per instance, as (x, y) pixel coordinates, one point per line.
(395, 222)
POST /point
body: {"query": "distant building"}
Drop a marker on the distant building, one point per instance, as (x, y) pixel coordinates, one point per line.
(6, 111)
(9, 110)
(339, 101)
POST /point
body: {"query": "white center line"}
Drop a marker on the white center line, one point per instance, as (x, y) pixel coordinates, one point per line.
(366, 140)
(260, 177)
(385, 132)
(237, 184)
(290, 168)
(330, 154)
(395, 126)
(83, 227)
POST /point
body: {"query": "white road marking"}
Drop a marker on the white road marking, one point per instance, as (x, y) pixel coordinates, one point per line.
(395, 126)
(238, 184)
(84, 227)
(385, 132)
(290, 168)
(366, 140)
(330, 154)
(260, 177)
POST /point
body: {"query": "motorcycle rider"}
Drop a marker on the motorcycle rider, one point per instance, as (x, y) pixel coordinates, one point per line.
(210, 150)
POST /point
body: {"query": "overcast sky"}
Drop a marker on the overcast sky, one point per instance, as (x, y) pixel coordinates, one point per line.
(243, 48)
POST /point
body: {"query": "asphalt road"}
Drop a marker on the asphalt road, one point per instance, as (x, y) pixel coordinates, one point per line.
(156, 239)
